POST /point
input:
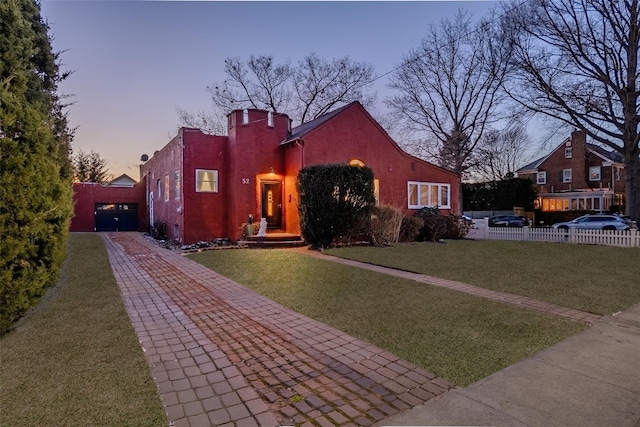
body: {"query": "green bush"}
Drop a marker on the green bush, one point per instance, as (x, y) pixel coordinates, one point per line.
(334, 199)
(35, 170)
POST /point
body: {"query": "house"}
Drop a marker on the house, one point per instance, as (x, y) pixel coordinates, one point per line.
(123, 180)
(206, 186)
(577, 176)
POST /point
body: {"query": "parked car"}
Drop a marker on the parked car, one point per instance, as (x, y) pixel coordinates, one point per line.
(596, 222)
(508, 221)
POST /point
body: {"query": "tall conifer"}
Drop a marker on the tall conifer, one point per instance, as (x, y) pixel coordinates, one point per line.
(35, 171)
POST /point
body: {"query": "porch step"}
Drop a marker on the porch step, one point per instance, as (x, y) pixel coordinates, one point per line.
(274, 240)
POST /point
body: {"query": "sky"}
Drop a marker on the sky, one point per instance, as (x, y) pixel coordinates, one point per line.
(135, 62)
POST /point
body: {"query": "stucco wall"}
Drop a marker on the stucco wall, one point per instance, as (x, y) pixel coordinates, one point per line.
(86, 195)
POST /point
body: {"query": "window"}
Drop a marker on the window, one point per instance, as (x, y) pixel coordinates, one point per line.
(567, 153)
(566, 175)
(542, 177)
(159, 188)
(176, 185)
(376, 190)
(166, 188)
(594, 173)
(206, 181)
(356, 162)
(270, 119)
(426, 194)
(616, 173)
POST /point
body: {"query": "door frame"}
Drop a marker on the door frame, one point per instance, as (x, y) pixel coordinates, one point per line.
(263, 208)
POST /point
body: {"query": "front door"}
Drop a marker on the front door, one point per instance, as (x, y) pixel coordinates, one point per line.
(272, 204)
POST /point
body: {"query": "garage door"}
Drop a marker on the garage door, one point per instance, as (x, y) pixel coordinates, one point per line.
(116, 217)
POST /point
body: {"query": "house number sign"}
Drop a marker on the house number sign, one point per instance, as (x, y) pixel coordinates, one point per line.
(245, 180)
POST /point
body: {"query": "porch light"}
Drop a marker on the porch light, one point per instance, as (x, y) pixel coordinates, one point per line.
(271, 171)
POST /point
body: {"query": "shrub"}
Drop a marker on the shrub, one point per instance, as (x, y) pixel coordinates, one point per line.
(385, 224)
(457, 226)
(159, 230)
(410, 228)
(437, 226)
(334, 199)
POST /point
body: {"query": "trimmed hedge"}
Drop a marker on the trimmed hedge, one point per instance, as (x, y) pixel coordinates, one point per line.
(335, 200)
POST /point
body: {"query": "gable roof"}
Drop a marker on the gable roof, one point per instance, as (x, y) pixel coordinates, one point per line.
(303, 129)
(123, 179)
(607, 155)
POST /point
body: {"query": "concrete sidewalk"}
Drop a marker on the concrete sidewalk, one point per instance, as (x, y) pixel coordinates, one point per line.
(590, 379)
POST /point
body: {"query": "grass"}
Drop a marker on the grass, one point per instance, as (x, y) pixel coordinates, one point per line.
(456, 336)
(74, 360)
(597, 279)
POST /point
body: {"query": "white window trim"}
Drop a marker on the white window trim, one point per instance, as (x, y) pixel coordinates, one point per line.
(541, 178)
(593, 168)
(216, 177)
(568, 153)
(439, 187)
(566, 172)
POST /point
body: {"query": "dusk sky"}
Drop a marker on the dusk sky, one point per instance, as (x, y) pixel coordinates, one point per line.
(135, 62)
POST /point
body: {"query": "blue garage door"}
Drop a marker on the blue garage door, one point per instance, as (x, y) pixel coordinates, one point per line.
(116, 217)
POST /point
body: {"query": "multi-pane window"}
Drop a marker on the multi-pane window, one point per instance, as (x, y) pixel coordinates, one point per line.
(166, 188)
(566, 175)
(176, 185)
(567, 153)
(594, 173)
(159, 188)
(542, 177)
(206, 181)
(427, 194)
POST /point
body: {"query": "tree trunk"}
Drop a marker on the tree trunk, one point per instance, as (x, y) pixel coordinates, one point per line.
(631, 183)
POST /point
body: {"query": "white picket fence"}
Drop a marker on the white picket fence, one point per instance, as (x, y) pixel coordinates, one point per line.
(626, 239)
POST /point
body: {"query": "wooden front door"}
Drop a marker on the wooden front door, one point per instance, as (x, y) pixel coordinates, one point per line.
(272, 204)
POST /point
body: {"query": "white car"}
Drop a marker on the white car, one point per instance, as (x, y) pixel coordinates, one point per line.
(596, 222)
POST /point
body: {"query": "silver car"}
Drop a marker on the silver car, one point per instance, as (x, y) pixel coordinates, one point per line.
(595, 222)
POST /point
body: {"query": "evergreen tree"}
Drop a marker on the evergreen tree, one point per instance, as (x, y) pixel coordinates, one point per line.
(35, 170)
(90, 167)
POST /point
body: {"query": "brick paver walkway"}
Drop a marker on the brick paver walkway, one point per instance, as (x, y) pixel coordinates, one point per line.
(223, 355)
(521, 301)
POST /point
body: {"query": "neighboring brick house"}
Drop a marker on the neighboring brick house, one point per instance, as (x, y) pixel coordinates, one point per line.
(577, 175)
(204, 186)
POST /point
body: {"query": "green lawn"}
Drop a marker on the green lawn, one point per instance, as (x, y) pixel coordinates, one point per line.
(75, 360)
(456, 336)
(597, 279)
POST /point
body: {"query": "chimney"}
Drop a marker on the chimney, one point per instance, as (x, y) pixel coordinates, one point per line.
(579, 159)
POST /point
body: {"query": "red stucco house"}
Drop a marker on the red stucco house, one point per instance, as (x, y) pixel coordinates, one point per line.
(204, 187)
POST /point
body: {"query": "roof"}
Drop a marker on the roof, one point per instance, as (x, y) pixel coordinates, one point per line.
(299, 131)
(123, 179)
(612, 156)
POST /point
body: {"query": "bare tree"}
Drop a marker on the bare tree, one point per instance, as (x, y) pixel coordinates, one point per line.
(320, 85)
(448, 89)
(305, 91)
(258, 83)
(499, 152)
(208, 122)
(577, 61)
(90, 167)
